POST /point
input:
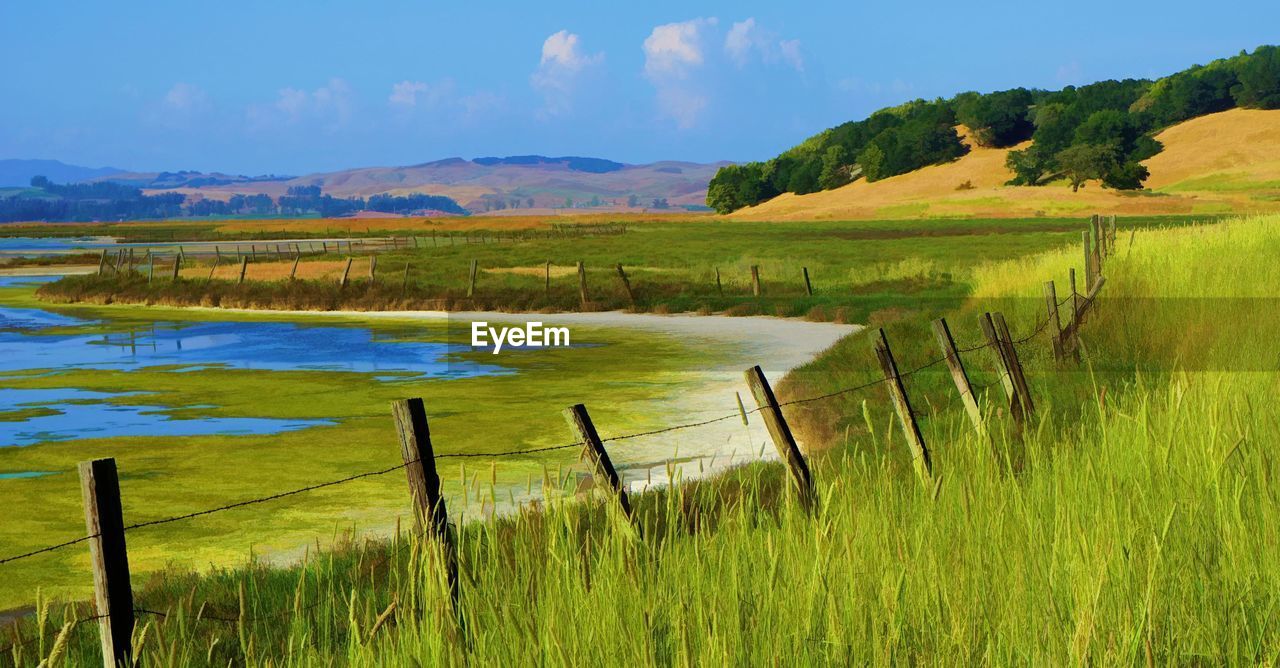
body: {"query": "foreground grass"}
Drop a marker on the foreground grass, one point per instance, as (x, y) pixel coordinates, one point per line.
(1136, 522)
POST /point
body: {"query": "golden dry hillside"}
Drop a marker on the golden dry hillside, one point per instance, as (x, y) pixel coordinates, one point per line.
(1213, 164)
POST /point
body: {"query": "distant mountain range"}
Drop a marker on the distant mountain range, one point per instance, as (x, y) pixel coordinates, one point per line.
(510, 184)
(18, 173)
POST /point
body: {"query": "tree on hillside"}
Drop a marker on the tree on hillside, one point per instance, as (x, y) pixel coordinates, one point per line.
(1083, 162)
(871, 159)
(835, 168)
(998, 119)
(1126, 176)
(1029, 166)
(1260, 79)
(736, 186)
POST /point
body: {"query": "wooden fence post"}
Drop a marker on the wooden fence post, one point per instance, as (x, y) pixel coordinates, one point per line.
(346, 272)
(212, 268)
(781, 435)
(373, 267)
(719, 285)
(404, 281)
(582, 283)
(808, 287)
(151, 271)
(244, 265)
(102, 261)
(942, 332)
(1015, 365)
(177, 266)
(548, 280)
(293, 273)
(1055, 321)
(626, 284)
(1088, 260)
(1075, 294)
(104, 523)
(424, 485)
(755, 280)
(1002, 367)
(902, 403)
(593, 450)
(471, 278)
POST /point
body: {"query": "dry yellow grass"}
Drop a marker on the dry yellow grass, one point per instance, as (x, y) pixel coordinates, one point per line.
(1241, 146)
(279, 271)
(1230, 156)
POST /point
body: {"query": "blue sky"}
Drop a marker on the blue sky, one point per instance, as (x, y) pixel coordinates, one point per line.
(292, 87)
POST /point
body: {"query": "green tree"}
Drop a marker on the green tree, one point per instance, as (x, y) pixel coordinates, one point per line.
(1029, 166)
(835, 168)
(1083, 162)
(1126, 176)
(871, 159)
(1260, 79)
(997, 119)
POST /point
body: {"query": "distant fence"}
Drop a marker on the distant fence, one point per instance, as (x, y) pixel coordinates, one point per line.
(106, 529)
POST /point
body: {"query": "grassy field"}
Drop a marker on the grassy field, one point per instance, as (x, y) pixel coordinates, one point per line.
(857, 270)
(1134, 522)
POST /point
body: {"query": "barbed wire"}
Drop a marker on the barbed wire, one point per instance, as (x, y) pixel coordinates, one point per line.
(50, 548)
(32, 640)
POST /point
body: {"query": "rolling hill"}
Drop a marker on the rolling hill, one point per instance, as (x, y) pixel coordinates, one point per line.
(483, 184)
(1227, 161)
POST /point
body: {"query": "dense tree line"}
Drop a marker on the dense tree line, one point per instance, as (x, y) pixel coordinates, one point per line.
(104, 200)
(1100, 131)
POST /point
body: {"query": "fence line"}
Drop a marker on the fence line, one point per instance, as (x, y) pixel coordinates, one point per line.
(113, 578)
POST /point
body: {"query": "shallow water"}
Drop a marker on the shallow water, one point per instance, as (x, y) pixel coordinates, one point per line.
(34, 339)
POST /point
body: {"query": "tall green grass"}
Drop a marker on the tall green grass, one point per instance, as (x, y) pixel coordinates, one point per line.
(1135, 522)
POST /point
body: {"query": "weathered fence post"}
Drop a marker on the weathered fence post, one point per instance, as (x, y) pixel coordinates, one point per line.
(151, 271)
(947, 343)
(346, 273)
(902, 403)
(212, 268)
(293, 273)
(548, 280)
(244, 266)
(755, 280)
(582, 283)
(404, 281)
(102, 261)
(373, 267)
(781, 435)
(1088, 261)
(177, 266)
(104, 524)
(471, 278)
(1015, 365)
(1075, 294)
(424, 485)
(593, 450)
(1055, 321)
(1002, 367)
(719, 285)
(808, 287)
(626, 285)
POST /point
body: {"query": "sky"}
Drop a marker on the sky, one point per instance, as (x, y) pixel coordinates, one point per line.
(295, 88)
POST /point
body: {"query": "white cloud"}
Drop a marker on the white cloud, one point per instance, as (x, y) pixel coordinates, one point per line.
(673, 52)
(675, 48)
(185, 97)
(563, 63)
(746, 39)
(405, 94)
(789, 50)
(331, 105)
